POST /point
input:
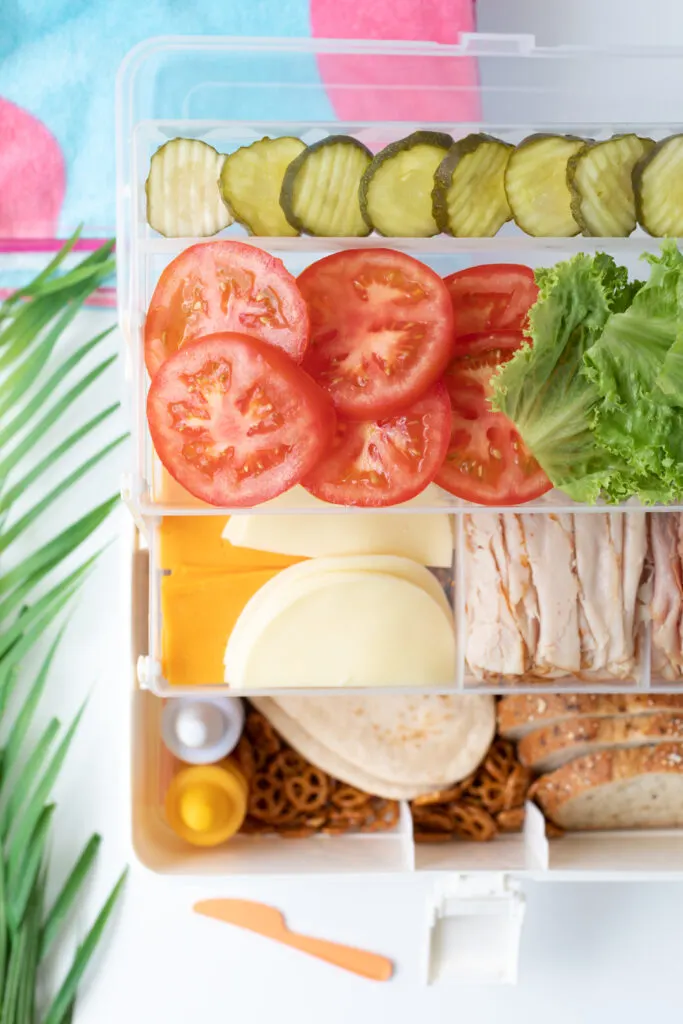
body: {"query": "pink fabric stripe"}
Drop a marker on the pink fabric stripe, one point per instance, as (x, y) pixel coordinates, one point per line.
(38, 245)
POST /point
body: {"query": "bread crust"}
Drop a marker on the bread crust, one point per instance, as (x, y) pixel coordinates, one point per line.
(546, 748)
(518, 713)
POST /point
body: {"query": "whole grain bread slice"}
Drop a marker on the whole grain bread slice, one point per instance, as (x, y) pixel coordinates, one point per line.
(519, 714)
(551, 746)
(616, 789)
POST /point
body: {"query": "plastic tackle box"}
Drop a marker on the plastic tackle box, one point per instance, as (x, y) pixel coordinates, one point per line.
(229, 92)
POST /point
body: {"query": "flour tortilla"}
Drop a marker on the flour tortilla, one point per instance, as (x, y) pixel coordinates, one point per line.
(420, 741)
(333, 764)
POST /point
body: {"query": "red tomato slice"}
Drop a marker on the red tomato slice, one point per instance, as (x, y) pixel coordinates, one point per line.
(381, 330)
(492, 297)
(225, 286)
(235, 422)
(486, 462)
(385, 461)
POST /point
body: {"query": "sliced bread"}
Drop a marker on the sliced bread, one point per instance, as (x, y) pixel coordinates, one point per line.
(518, 715)
(616, 789)
(548, 748)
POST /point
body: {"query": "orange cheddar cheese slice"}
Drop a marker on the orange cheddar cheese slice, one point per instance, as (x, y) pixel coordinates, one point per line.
(199, 610)
(196, 542)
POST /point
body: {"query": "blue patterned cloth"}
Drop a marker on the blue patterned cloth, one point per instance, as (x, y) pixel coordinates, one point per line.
(59, 58)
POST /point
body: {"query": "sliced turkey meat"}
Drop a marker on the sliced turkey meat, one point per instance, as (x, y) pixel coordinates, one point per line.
(494, 644)
(521, 591)
(667, 593)
(591, 539)
(550, 545)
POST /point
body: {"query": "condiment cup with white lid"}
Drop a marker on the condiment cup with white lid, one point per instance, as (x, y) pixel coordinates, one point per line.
(202, 730)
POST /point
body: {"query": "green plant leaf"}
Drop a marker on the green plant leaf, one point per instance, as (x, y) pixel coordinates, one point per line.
(37, 349)
(23, 644)
(32, 322)
(18, 489)
(68, 893)
(38, 401)
(10, 535)
(30, 868)
(6, 686)
(57, 1013)
(18, 964)
(27, 990)
(59, 547)
(50, 292)
(25, 716)
(48, 604)
(22, 829)
(9, 606)
(93, 274)
(4, 944)
(11, 810)
(21, 333)
(21, 590)
(33, 287)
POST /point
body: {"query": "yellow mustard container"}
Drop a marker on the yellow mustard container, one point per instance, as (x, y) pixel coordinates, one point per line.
(206, 804)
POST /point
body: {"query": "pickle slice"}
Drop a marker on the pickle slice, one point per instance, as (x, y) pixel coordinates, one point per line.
(599, 177)
(536, 185)
(469, 198)
(319, 192)
(183, 198)
(251, 181)
(396, 190)
(658, 188)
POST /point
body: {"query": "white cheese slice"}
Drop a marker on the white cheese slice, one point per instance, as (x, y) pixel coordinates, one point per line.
(426, 538)
(276, 591)
(337, 628)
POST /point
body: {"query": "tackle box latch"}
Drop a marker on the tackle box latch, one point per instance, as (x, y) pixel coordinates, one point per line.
(474, 929)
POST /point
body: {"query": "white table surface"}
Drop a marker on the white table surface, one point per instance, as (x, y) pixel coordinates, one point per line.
(590, 952)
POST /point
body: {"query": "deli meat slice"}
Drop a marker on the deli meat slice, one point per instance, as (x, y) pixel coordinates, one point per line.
(557, 595)
(635, 553)
(667, 594)
(592, 543)
(550, 545)
(522, 593)
(494, 643)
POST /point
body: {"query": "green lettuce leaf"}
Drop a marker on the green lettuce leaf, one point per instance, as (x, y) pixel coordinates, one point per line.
(670, 379)
(544, 390)
(634, 419)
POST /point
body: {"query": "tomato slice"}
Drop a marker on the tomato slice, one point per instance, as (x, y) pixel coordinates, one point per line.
(235, 422)
(492, 297)
(225, 286)
(381, 330)
(385, 461)
(486, 462)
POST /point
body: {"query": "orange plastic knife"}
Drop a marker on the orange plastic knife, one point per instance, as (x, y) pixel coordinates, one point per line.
(268, 921)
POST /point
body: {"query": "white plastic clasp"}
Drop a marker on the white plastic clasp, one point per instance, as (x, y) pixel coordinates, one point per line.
(474, 929)
(148, 672)
(128, 499)
(497, 44)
